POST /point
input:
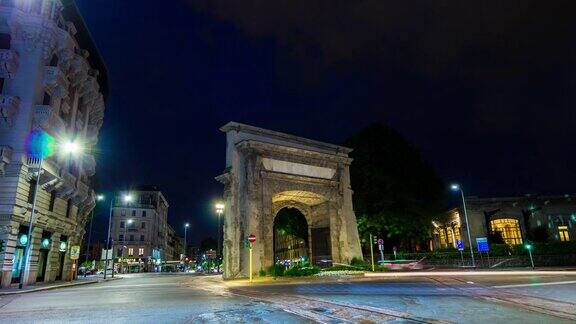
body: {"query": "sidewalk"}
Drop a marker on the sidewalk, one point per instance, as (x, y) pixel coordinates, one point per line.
(14, 290)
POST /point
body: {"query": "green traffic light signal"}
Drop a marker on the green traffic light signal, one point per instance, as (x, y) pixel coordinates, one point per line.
(528, 246)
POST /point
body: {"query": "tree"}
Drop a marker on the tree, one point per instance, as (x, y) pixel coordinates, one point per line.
(396, 193)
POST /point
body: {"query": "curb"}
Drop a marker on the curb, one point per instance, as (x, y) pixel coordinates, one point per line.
(73, 284)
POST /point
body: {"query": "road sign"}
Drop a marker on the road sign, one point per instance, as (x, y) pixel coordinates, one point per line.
(482, 244)
(74, 252)
(380, 242)
(460, 245)
(251, 238)
(381, 247)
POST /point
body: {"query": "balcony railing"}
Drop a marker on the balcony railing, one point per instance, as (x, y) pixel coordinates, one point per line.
(5, 157)
(9, 107)
(9, 61)
(45, 116)
(56, 81)
(82, 192)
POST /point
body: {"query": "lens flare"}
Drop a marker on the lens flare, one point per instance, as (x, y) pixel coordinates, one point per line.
(40, 144)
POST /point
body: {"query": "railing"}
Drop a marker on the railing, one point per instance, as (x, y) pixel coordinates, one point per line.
(56, 80)
(46, 117)
(9, 61)
(9, 105)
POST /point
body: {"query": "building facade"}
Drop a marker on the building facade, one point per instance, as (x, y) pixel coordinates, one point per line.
(140, 230)
(509, 220)
(53, 79)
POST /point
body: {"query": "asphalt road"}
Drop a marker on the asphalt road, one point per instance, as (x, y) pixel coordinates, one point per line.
(146, 298)
(160, 298)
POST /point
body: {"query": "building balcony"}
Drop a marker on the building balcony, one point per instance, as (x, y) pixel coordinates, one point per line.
(79, 69)
(56, 81)
(9, 61)
(82, 192)
(5, 157)
(67, 187)
(9, 107)
(89, 165)
(49, 177)
(92, 134)
(47, 118)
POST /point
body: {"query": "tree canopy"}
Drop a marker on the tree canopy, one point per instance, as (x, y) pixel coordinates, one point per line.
(396, 193)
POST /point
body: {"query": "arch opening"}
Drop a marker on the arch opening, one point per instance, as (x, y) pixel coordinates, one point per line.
(291, 239)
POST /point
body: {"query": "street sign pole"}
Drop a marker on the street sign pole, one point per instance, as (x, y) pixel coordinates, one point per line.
(531, 259)
(462, 257)
(251, 240)
(372, 252)
(381, 248)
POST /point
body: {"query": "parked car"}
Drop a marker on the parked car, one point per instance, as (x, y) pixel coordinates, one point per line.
(401, 264)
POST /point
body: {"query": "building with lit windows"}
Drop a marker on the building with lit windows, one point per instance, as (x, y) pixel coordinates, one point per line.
(140, 230)
(51, 79)
(510, 220)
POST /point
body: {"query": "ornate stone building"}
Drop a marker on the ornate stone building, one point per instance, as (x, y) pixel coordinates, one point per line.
(268, 172)
(512, 218)
(140, 230)
(51, 78)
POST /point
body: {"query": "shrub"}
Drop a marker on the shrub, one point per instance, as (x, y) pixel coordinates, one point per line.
(301, 271)
(276, 270)
(262, 273)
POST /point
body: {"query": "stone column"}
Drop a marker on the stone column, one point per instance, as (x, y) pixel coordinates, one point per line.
(34, 254)
(350, 226)
(9, 236)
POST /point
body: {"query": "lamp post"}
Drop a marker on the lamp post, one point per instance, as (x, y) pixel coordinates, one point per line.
(127, 198)
(40, 144)
(456, 187)
(219, 212)
(98, 198)
(185, 241)
(124, 245)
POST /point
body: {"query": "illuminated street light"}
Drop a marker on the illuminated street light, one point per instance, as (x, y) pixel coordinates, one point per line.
(127, 198)
(71, 147)
(185, 241)
(456, 187)
(528, 247)
(100, 197)
(219, 211)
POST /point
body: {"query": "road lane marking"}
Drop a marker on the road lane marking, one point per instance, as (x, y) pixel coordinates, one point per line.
(537, 284)
(468, 273)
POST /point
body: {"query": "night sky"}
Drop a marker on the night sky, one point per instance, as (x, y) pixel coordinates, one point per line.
(485, 91)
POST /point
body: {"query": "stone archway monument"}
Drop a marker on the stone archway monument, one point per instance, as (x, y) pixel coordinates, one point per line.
(267, 171)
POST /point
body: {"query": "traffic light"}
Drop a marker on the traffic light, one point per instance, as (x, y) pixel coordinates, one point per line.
(528, 246)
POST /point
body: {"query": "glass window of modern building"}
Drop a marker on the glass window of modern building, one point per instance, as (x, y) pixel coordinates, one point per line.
(563, 233)
(509, 228)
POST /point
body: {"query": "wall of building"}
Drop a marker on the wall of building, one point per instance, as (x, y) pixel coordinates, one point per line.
(44, 59)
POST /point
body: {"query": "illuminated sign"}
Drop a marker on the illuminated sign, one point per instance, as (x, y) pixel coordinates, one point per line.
(45, 243)
(74, 252)
(63, 246)
(23, 239)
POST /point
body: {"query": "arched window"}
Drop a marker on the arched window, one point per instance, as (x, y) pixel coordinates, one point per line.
(54, 60)
(509, 228)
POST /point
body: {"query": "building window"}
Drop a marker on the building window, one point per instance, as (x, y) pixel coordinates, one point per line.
(5, 39)
(133, 213)
(131, 237)
(509, 228)
(31, 191)
(52, 200)
(122, 225)
(143, 225)
(1, 85)
(68, 208)
(143, 213)
(564, 235)
(47, 99)
(130, 251)
(141, 251)
(123, 212)
(54, 60)
(121, 237)
(141, 237)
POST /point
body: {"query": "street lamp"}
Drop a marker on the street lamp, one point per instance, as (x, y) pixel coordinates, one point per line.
(98, 198)
(40, 145)
(185, 242)
(529, 248)
(126, 198)
(219, 211)
(124, 245)
(456, 187)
